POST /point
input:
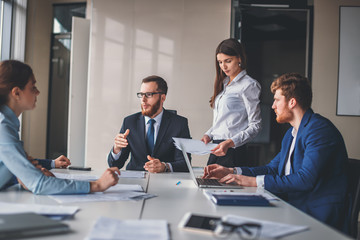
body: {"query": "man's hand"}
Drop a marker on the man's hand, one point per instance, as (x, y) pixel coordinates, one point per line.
(120, 141)
(206, 139)
(221, 148)
(62, 162)
(47, 172)
(216, 171)
(109, 178)
(33, 162)
(240, 180)
(154, 165)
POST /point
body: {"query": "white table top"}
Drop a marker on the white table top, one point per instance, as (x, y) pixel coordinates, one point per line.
(171, 203)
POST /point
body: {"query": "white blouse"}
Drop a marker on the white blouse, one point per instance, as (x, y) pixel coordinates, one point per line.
(236, 113)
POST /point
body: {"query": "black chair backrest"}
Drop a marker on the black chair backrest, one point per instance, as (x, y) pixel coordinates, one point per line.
(354, 185)
(172, 111)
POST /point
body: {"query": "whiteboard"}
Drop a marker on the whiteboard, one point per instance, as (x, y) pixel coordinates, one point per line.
(348, 99)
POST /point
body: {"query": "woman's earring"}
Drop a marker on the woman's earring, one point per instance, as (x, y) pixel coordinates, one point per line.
(239, 64)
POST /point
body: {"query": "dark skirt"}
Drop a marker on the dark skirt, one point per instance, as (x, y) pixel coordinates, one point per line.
(235, 157)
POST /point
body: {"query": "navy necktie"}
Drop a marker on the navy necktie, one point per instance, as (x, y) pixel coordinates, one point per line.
(150, 135)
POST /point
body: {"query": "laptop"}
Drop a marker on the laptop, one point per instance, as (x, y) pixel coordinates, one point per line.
(23, 225)
(205, 183)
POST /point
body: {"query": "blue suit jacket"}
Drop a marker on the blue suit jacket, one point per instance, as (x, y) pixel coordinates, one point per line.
(172, 125)
(317, 183)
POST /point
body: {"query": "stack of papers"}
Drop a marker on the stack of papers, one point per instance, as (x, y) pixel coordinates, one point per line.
(268, 229)
(192, 146)
(52, 211)
(108, 229)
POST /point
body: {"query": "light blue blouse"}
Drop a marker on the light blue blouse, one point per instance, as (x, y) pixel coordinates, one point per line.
(13, 162)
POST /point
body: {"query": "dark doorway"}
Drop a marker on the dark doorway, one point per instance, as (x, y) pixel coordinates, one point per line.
(277, 39)
(59, 77)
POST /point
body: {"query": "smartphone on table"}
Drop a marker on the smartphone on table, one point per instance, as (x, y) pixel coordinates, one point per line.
(199, 222)
(79, 168)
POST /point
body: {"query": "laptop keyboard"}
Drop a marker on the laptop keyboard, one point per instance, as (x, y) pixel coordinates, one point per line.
(207, 181)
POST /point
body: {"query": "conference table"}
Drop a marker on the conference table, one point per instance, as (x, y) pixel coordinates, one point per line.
(172, 201)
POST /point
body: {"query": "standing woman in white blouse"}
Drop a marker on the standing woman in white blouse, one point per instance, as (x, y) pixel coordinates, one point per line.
(236, 106)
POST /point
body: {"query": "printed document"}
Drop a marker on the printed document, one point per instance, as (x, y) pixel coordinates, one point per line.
(192, 146)
(109, 229)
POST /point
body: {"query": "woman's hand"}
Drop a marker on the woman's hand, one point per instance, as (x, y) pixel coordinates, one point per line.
(62, 162)
(109, 178)
(206, 139)
(221, 148)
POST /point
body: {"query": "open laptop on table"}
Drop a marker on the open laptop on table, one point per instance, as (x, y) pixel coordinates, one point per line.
(205, 183)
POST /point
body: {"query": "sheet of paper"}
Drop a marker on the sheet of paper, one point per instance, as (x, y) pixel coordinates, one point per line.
(192, 146)
(124, 188)
(268, 229)
(11, 208)
(132, 174)
(108, 229)
(101, 197)
(86, 177)
(80, 177)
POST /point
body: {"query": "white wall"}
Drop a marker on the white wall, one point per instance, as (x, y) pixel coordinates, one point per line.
(209, 23)
(130, 40)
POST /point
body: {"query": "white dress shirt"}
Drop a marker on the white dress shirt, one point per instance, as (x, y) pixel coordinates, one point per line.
(236, 113)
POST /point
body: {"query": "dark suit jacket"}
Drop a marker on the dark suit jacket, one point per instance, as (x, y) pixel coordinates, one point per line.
(317, 183)
(172, 125)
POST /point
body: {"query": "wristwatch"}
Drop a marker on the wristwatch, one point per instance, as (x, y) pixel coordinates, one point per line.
(166, 167)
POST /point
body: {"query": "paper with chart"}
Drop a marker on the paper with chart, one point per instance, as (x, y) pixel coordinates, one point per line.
(192, 146)
(111, 229)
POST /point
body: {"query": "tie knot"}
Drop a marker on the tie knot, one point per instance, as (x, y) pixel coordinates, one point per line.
(151, 121)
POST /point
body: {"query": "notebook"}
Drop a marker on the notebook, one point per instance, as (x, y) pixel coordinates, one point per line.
(240, 200)
(205, 183)
(28, 225)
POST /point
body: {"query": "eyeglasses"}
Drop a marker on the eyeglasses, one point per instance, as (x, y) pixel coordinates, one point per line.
(147, 94)
(245, 231)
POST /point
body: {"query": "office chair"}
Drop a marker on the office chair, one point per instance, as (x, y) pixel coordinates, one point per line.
(172, 111)
(354, 185)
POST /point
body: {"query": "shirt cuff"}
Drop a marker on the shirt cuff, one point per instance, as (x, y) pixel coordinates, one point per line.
(52, 164)
(237, 170)
(260, 181)
(115, 156)
(170, 167)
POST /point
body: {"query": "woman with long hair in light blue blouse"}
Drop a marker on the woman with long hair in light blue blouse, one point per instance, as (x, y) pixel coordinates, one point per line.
(236, 106)
(17, 94)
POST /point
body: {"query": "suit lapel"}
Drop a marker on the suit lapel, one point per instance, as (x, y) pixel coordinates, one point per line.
(141, 128)
(165, 122)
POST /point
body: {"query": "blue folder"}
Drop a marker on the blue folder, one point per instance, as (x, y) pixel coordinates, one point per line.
(240, 200)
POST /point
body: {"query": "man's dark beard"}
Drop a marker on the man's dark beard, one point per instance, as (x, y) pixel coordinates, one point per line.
(154, 108)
